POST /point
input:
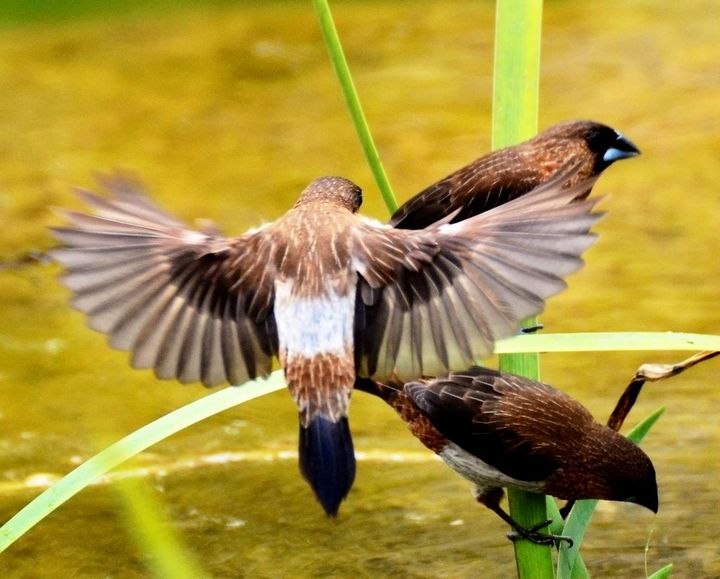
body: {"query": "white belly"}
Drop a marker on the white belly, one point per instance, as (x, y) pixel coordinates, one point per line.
(481, 473)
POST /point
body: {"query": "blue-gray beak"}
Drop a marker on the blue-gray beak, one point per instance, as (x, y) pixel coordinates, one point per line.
(622, 148)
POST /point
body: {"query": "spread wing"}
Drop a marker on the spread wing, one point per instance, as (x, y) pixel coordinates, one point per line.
(438, 298)
(512, 423)
(194, 306)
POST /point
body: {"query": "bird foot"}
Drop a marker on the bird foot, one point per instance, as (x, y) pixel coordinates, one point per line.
(534, 536)
(531, 329)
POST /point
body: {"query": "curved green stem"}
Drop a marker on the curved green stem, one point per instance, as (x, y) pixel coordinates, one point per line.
(340, 66)
(126, 448)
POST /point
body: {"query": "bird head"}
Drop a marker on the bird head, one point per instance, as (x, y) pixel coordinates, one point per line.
(649, 500)
(335, 190)
(622, 471)
(605, 465)
(632, 477)
(607, 144)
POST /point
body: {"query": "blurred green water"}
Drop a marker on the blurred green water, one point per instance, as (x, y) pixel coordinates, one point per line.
(227, 111)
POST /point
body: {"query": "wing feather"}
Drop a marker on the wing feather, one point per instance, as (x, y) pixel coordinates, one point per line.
(194, 306)
(510, 422)
(433, 298)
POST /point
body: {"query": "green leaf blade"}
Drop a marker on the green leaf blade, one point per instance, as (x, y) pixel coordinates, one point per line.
(126, 448)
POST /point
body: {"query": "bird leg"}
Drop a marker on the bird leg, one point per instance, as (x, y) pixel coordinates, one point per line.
(491, 499)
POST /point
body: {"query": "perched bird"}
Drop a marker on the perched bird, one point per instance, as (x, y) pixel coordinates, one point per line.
(328, 292)
(501, 430)
(511, 172)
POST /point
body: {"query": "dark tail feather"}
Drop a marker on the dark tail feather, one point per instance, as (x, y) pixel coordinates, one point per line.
(327, 460)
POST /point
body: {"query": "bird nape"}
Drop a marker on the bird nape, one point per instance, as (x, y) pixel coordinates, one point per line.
(508, 173)
(501, 430)
(329, 293)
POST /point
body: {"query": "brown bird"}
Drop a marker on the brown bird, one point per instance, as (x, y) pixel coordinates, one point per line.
(501, 430)
(508, 173)
(330, 293)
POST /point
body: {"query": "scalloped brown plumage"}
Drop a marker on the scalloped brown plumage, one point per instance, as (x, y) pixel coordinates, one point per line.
(511, 172)
(501, 430)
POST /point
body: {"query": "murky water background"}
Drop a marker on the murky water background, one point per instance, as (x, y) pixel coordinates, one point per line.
(227, 111)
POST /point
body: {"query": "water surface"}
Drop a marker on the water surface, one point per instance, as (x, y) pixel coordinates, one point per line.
(228, 111)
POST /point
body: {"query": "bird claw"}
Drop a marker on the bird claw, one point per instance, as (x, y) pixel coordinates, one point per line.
(531, 329)
(534, 536)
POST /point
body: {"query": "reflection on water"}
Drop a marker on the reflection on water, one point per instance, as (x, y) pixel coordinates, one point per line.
(227, 112)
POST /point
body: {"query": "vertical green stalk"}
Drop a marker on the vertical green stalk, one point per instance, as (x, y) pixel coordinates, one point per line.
(337, 58)
(518, 29)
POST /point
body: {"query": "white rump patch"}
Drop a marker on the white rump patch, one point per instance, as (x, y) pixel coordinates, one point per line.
(311, 326)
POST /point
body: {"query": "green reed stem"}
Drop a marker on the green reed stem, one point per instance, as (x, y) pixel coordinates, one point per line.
(340, 66)
(516, 80)
(518, 30)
